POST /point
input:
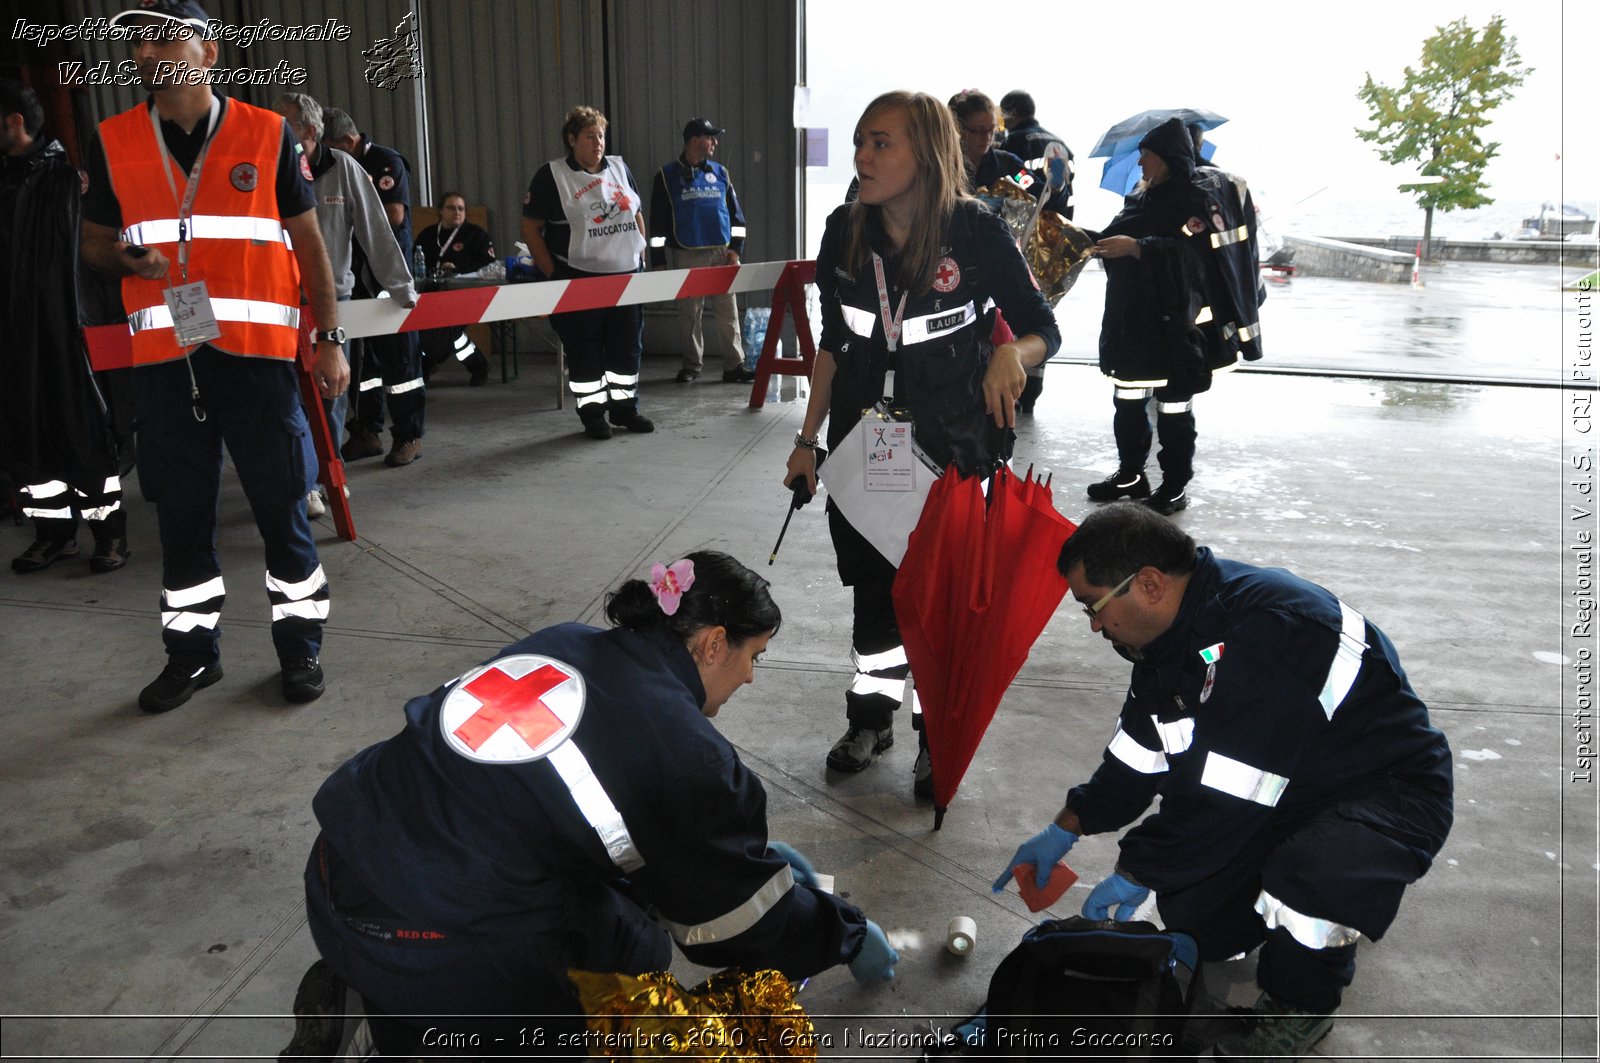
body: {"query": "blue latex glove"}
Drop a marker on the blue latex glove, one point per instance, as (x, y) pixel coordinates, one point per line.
(1044, 850)
(1127, 896)
(876, 959)
(804, 873)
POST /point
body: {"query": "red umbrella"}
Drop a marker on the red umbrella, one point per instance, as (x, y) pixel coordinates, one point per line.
(976, 587)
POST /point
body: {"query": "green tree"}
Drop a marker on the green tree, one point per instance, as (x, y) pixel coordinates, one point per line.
(1435, 116)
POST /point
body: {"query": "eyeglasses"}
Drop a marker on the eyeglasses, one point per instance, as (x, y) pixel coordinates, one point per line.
(1093, 611)
(992, 133)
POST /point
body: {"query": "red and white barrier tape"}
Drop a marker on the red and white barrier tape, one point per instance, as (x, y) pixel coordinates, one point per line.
(110, 346)
(503, 302)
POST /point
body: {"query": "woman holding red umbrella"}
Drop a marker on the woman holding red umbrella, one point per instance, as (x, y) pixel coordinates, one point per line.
(909, 276)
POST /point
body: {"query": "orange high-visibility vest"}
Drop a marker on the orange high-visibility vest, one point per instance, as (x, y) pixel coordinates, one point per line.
(237, 242)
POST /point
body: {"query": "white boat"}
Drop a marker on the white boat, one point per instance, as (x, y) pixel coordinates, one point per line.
(1556, 223)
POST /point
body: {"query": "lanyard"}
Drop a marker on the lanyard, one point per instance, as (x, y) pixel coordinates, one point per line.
(187, 204)
(444, 244)
(891, 325)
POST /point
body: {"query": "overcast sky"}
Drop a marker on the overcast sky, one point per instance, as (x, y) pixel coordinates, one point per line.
(1285, 74)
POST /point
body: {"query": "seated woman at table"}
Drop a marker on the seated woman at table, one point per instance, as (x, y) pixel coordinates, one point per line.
(454, 247)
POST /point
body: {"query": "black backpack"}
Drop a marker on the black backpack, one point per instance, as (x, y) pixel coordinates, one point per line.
(1086, 988)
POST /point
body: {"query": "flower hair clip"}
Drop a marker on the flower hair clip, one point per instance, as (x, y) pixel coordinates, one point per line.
(669, 582)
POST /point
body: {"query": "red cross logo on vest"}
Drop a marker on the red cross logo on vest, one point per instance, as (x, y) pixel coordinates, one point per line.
(947, 275)
(512, 710)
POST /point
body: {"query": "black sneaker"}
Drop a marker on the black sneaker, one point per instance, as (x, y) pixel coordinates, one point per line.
(597, 428)
(854, 751)
(42, 554)
(687, 376)
(1167, 500)
(323, 1024)
(302, 680)
(633, 421)
(1278, 1031)
(1120, 484)
(174, 686)
(738, 376)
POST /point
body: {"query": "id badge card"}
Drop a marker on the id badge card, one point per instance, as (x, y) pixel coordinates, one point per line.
(193, 321)
(890, 464)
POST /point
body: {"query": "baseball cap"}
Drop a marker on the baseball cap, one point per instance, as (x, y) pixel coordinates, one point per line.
(701, 127)
(186, 12)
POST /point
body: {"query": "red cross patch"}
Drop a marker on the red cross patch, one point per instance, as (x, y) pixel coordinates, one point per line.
(947, 275)
(244, 176)
(512, 710)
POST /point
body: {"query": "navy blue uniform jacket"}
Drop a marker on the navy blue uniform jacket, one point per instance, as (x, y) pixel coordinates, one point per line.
(467, 847)
(1268, 697)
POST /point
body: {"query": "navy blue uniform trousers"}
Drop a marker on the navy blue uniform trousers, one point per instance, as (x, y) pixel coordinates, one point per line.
(1348, 863)
(506, 985)
(252, 405)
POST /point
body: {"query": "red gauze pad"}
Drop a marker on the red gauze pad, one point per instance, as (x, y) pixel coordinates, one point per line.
(1037, 900)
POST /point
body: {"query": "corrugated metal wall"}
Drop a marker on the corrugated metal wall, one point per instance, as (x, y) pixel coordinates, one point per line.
(501, 74)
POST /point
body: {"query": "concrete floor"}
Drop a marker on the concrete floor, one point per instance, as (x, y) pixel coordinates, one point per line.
(152, 864)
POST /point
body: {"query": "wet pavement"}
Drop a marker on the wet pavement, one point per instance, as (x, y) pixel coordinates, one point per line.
(1469, 321)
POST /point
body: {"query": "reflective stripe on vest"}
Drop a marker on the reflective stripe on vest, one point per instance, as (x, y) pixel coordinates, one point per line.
(1310, 931)
(208, 227)
(1346, 663)
(1127, 749)
(237, 245)
(1241, 780)
(934, 326)
(857, 320)
(596, 805)
(252, 310)
(733, 923)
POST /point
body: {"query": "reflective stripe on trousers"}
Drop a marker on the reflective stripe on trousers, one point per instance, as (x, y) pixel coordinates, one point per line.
(1310, 931)
(191, 608)
(306, 599)
(56, 500)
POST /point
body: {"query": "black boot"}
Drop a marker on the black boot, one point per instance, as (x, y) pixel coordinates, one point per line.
(1177, 434)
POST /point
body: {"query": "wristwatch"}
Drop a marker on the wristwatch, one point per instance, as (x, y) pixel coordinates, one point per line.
(333, 335)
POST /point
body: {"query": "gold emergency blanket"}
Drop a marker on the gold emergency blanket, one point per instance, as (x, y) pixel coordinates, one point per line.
(1057, 250)
(733, 1014)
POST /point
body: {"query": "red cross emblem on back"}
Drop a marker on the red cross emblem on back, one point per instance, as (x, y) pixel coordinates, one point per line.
(543, 703)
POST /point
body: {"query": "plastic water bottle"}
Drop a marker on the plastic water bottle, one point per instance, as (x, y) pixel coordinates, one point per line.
(419, 263)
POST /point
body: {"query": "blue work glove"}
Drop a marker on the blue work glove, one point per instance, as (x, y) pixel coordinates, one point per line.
(804, 873)
(1044, 850)
(1126, 895)
(876, 959)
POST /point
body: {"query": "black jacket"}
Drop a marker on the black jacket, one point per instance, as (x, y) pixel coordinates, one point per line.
(944, 351)
(53, 420)
(1027, 140)
(1148, 335)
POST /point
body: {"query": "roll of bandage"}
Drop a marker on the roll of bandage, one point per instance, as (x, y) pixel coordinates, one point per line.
(961, 936)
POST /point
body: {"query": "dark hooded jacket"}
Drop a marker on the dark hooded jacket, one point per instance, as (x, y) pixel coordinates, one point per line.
(53, 420)
(1148, 335)
(1198, 258)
